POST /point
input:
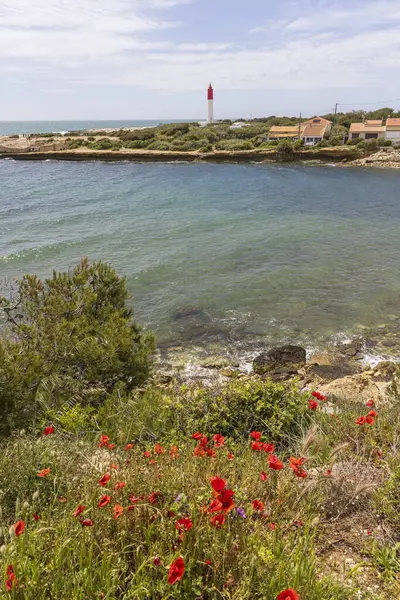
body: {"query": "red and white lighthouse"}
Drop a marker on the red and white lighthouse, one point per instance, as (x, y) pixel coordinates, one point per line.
(210, 99)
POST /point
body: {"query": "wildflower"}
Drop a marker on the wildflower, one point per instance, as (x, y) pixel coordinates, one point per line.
(272, 526)
(197, 436)
(258, 505)
(62, 499)
(104, 439)
(87, 523)
(19, 528)
(208, 563)
(110, 446)
(370, 420)
(318, 396)
(129, 447)
(263, 476)
(49, 430)
(105, 479)
(147, 454)
(176, 570)
(275, 463)
(257, 446)
(211, 452)
(79, 510)
(119, 485)
(115, 467)
(369, 532)
(159, 449)
(230, 456)
(240, 511)
(256, 435)
(104, 501)
(174, 452)
(361, 421)
(370, 403)
(296, 465)
(372, 413)
(217, 484)
(328, 473)
(219, 440)
(289, 594)
(36, 517)
(12, 580)
(226, 499)
(268, 448)
(217, 521)
(152, 499)
(156, 561)
(43, 472)
(215, 506)
(118, 510)
(298, 523)
(184, 524)
(134, 500)
(312, 404)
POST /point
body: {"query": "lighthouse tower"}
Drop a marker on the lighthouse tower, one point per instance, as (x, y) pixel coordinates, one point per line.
(210, 99)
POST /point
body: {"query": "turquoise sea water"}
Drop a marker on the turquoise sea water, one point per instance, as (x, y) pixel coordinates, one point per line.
(13, 127)
(258, 251)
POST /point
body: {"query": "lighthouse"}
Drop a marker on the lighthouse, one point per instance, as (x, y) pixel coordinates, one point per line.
(210, 99)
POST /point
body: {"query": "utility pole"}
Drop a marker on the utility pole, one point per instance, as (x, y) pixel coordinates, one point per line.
(300, 127)
(336, 106)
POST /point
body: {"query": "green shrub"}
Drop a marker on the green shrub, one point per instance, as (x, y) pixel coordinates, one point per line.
(285, 147)
(323, 144)
(91, 138)
(361, 145)
(233, 145)
(70, 338)
(383, 142)
(248, 132)
(372, 144)
(335, 141)
(136, 144)
(73, 144)
(298, 144)
(387, 500)
(159, 145)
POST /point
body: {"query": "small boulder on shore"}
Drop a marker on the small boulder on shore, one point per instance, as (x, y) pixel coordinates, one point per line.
(283, 358)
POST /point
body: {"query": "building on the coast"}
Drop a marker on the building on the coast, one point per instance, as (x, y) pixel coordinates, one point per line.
(393, 129)
(210, 101)
(311, 131)
(368, 130)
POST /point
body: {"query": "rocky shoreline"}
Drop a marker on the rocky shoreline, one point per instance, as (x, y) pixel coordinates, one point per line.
(385, 158)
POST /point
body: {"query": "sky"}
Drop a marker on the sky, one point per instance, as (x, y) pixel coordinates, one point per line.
(154, 59)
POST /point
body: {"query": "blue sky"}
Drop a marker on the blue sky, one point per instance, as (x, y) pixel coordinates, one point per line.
(137, 59)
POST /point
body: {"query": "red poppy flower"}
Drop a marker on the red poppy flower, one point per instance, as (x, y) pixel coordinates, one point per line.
(217, 521)
(275, 463)
(129, 447)
(372, 413)
(263, 476)
(370, 403)
(198, 451)
(272, 526)
(226, 500)
(184, 524)
(313, 404)
(119, 485)
(104, 439)
(118, 510)
(319, 396)
(43, 472)
(36, 517)
(79, 510)
(369, 532)
(211, 452)
(105, 479)
(197, 436)
(219, 440)
(258, 505)
(156, 561)
(11, 581)
(87, 523)
(208, 563)
(104, 501)
(49, 430)
(110, 446)
(269, 448)
(361, 420)
(19, 528)
(176, 570)
(370, 420)
(257, 446)
(230, 456)
(256, 435)
(289, 594)
(328, 473)
(147, 454)
(152, 499)
(217, 483)
(215, 506)
(159, 449)
(203, 442)
(134, 500)
(174, 452)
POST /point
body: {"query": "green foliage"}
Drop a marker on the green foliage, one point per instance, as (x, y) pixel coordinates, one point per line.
(372, 144)
(70, 338)
(74, 144)
(298, 144)
(248, 132)
(233, 145)
(105, 144)
(338, 131)
(387, 499)
(382, 142)
(323, 144)
(285, 147)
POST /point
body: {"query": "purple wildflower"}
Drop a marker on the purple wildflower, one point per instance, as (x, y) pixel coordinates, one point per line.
(240, 511)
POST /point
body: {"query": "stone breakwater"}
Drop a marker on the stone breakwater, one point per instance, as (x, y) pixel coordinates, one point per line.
(386, 158)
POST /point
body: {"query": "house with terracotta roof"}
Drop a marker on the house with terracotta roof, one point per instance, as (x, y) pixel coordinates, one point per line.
(368, 130)
(315, 130)
(393, 129)
(311, 131)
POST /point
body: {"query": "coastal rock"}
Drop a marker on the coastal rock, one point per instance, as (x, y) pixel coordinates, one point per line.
(324, 367)
(351, 348)
(188, 312)
(282, 359)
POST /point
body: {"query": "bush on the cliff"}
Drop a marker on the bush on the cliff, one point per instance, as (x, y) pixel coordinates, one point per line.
(285, 147)
(233, 145)
(69, 339)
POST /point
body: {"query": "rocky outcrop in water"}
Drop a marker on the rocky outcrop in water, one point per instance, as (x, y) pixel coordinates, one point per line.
(385, 158)
(280, 361)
